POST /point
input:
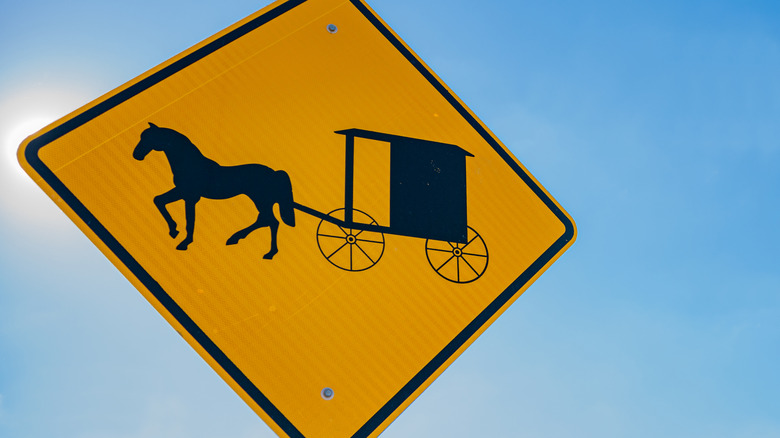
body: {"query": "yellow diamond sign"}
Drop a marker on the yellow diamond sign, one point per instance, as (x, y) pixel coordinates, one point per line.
(318, 215)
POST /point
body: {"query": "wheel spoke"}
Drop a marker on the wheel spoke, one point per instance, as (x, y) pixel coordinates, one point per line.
(469, 265)
(448, 260)
(370, 241)
(438, 245)
(458, 268)
(476, 236)
(334, 252)
(474, 255)
(330, 235)
(440, 250)
(364, 253)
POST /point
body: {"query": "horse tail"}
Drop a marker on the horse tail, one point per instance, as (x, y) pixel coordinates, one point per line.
(285, 192)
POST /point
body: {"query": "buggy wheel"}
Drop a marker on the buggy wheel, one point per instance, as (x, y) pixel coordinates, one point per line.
(347, 248)
(458, 262)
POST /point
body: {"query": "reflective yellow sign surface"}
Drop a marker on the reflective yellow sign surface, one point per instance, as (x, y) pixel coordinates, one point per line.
(310, 207)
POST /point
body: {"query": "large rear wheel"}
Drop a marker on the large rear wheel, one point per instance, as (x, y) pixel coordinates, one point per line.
(458, 262)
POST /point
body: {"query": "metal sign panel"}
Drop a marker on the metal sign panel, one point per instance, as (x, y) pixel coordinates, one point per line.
(316, 213)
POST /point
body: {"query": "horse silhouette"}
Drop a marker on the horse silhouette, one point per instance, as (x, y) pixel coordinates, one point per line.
(196, 177)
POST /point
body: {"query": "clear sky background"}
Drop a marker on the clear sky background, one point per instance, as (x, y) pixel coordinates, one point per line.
(656, 124)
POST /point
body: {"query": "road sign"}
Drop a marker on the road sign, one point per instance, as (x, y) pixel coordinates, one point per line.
(316, 213)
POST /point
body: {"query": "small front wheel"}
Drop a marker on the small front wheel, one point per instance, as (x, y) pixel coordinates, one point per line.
(347, 248)
(458, 262)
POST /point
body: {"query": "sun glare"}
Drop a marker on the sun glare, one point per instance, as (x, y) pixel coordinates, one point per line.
(22, 115)
(17, 133)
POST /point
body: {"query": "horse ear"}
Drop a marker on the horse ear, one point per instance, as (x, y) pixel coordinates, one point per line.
(152, 125)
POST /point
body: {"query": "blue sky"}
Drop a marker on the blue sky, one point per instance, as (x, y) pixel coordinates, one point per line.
(655, 124)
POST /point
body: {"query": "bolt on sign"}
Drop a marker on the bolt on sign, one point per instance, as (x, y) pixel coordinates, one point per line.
(306, 202)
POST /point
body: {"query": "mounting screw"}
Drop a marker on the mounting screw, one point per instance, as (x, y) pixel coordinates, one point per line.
(327, 393)
(332, 28)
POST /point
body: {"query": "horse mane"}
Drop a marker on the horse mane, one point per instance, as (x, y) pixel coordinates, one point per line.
(177, 139)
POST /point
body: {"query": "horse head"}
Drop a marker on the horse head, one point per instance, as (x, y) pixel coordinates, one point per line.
(150, 140)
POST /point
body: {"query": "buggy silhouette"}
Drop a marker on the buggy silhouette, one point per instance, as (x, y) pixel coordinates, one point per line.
(427, 200)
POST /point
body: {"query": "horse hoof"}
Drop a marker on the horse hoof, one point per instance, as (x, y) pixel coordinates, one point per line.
(173, 233)
(182, 246)
(232, 241)
(269, 256)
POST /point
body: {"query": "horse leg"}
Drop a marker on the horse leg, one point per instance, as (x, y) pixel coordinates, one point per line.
(161, 201)
(274, 225)
(266, 212)
(265, 218)
(189, 212)
(240, 234)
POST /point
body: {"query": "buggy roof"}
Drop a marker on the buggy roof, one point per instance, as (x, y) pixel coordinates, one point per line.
(399, 139)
